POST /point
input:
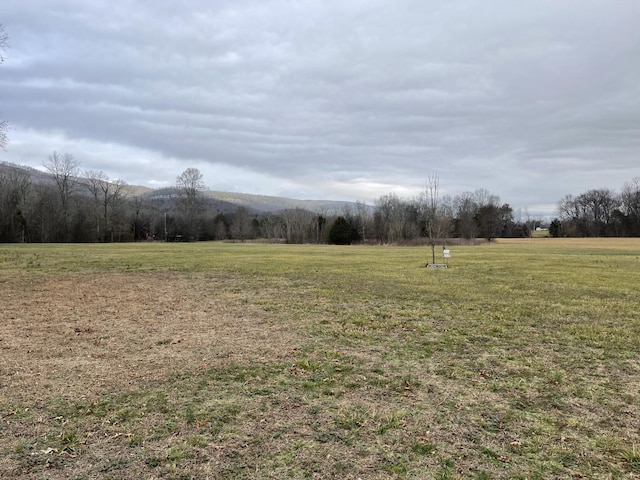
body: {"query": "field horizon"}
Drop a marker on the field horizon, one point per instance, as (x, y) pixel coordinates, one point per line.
(245, 360)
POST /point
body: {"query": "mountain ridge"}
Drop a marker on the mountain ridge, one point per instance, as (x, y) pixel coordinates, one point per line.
(254, 202)
(260, 203)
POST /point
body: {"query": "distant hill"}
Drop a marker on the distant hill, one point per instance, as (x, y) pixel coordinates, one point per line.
(226, 202)
(230, 201)
(265, 203)
(38, 177)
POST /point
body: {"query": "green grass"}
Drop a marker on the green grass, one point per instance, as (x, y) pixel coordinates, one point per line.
(518, 361)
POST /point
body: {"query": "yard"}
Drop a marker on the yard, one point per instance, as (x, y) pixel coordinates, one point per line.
(219, 360)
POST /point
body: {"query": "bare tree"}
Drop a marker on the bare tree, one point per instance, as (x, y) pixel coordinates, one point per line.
(23, 184)
(138, 205)
(64, 169)
(363, 213)
(242, 226)
(114, 196)
(530, 223)
(190, 202)
(272, 226)
(299, 225)
(630, 198)
(108, 196)
(15, 189)
(436, 220)
(4, 44)
(465, 207)
(95, 179)
(592, 213)
(484, 197)
(391, 218)
(599, 205)
(190, 183)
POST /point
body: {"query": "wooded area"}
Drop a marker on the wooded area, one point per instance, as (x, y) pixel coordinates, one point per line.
(71, 205)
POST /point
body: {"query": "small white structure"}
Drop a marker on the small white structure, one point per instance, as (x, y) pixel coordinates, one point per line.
(446, 253)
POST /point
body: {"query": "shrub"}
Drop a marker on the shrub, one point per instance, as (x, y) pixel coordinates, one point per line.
(340, 233)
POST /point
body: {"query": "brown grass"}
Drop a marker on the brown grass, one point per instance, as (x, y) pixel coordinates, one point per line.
(79, 334)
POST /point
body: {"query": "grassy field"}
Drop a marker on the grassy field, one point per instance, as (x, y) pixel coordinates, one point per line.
(213, 360)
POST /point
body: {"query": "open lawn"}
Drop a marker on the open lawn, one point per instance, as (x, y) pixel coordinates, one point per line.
(216, 360)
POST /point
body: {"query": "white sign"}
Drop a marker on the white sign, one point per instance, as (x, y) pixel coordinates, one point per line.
(446, 253)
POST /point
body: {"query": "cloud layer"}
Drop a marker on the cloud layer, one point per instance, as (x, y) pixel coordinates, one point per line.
(331, 99)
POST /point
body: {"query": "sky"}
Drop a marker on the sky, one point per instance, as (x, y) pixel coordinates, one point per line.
(331, 99)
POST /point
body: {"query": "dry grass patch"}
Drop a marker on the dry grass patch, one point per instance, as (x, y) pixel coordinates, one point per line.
(81, 334)
(95, 365)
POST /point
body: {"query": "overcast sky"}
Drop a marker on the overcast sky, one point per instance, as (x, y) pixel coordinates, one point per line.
(331, 99)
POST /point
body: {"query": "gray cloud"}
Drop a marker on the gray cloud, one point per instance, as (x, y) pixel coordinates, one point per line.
(341, 100)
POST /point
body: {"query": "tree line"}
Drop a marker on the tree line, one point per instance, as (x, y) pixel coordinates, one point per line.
(74, 205)
(600, 212)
